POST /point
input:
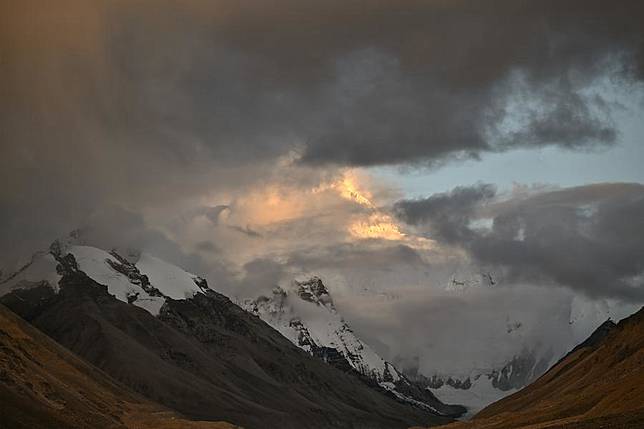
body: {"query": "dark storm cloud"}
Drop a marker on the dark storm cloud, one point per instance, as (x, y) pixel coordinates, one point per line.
(588, 238)
(126, 231)
(358, 83)
(449, 214)
(151, 101)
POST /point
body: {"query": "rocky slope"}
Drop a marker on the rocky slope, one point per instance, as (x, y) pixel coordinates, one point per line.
(44, 386)
(168, 336)
(305, 314)
(600, 383)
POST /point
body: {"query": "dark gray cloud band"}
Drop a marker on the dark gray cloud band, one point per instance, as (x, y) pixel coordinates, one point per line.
(361, 83)
(588, 238)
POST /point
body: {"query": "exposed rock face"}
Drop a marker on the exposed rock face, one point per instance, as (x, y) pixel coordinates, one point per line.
(306, 314)
(313, 290)
(436, 382)
(202, 355)
(518, 372)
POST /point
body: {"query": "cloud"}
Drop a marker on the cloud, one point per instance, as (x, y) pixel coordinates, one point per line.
(259, 277)
(429, 331)
(246, 231)
(213, 213)
(136, 104)
(115, 227)
(586, 238)
(206, 246)
(356, 256)
(447, 214)
(188, 128)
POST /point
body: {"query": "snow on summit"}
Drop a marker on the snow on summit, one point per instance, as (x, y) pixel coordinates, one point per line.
(171, 280)
(146, 283)
(305, 314)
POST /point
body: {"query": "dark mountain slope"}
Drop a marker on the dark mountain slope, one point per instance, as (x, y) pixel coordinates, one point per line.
(44, 386)
(599, 384)
(208, 359)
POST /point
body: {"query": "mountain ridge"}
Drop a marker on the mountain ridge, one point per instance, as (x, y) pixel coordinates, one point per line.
(201, 354)
(305, 314)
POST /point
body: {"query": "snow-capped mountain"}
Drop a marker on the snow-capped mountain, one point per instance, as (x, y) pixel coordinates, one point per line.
(599, 383)
(146, 282)
(483, 386)
(209, 348)
(492, 379)
(305, 314)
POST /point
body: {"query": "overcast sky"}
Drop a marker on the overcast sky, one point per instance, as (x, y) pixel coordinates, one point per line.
(389, 147)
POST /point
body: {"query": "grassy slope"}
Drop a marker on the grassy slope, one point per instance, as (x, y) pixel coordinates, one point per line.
(42, 385)
(601, 386)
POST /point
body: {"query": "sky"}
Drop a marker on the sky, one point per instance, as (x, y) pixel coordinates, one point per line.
(619, 163)
(395, 150)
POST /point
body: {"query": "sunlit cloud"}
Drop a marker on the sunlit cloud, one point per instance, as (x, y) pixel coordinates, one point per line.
(376, 225)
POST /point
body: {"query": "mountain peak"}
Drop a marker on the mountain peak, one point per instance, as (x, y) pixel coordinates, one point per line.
(313, 324)
(146, 283)
(313, 290)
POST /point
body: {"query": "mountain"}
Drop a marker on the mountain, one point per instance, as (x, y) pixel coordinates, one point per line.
(44, 386)
(600, 383)
(483, 386)
(306, 315)
(487, 381)
(519, 347)
(168, 336)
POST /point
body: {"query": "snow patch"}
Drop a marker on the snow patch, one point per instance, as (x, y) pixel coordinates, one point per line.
(93, 262)
(171, 280)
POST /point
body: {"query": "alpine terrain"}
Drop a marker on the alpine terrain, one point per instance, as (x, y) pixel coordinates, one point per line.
(168, 336)
(485, 380)
(305, 314)
(598, 384)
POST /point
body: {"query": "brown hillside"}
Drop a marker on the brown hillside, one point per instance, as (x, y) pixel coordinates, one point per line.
(42, 385)
(598, 385)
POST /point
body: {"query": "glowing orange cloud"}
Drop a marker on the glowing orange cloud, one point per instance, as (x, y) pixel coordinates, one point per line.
(377, 225)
